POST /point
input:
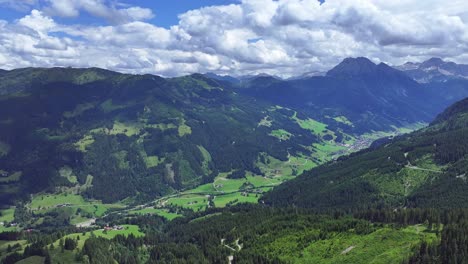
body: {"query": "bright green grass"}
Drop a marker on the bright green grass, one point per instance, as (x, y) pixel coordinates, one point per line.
(161, 212)
(7, 229)
(184, 130)
(343, 119)
(52, 200)
(275, 167)
(405, 181)
(228, 185)
(227, 190)
(47, 202)
(386, 245)
(413, 179)
(223, 200)
(281, 134)
(410, 128)
(258, 181)
(4, 245)
(84, 142)
(285, 170)
(194, 202)
(396, 131)
(314, 126)
(324, 152)
(206, 158)
(301, 164)
(205, 188)
(128, 229)
(124, 128)
(7, 215)
(427, 162)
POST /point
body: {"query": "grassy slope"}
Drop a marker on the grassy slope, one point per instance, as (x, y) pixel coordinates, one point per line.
(385, 245)
(161, 212)
(48, 202)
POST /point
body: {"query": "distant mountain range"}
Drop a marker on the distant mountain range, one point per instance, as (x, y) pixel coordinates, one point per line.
(431, 70)
(434, 70)
(372, 97)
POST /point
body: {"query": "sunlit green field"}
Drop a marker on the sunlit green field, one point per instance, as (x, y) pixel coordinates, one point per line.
(71, 203)
(156, 211)
(385, 245)
(7, 215)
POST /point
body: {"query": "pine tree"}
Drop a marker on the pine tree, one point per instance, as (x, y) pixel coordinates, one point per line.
(47, 259)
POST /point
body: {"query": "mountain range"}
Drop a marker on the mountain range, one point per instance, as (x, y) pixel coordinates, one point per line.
(372, 97)
(114, 136)
(102, 167)
(434, 70)
(130, 135)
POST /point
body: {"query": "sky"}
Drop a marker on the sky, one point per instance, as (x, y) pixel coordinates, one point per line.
(237, 37)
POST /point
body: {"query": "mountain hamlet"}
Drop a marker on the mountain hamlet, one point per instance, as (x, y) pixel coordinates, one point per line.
(365, 163)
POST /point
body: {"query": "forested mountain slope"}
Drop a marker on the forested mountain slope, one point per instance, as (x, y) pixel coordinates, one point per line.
(245, 234)
(426, 168)
(110, 136)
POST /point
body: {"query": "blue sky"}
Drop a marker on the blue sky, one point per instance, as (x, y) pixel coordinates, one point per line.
(166, 12)
(278, 37)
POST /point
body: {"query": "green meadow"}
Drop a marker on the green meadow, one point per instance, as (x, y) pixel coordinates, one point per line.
(155, 211)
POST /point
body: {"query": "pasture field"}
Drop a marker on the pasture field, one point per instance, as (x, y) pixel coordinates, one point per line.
(156, 211)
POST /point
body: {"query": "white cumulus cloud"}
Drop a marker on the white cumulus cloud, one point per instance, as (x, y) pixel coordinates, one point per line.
(281, 37)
